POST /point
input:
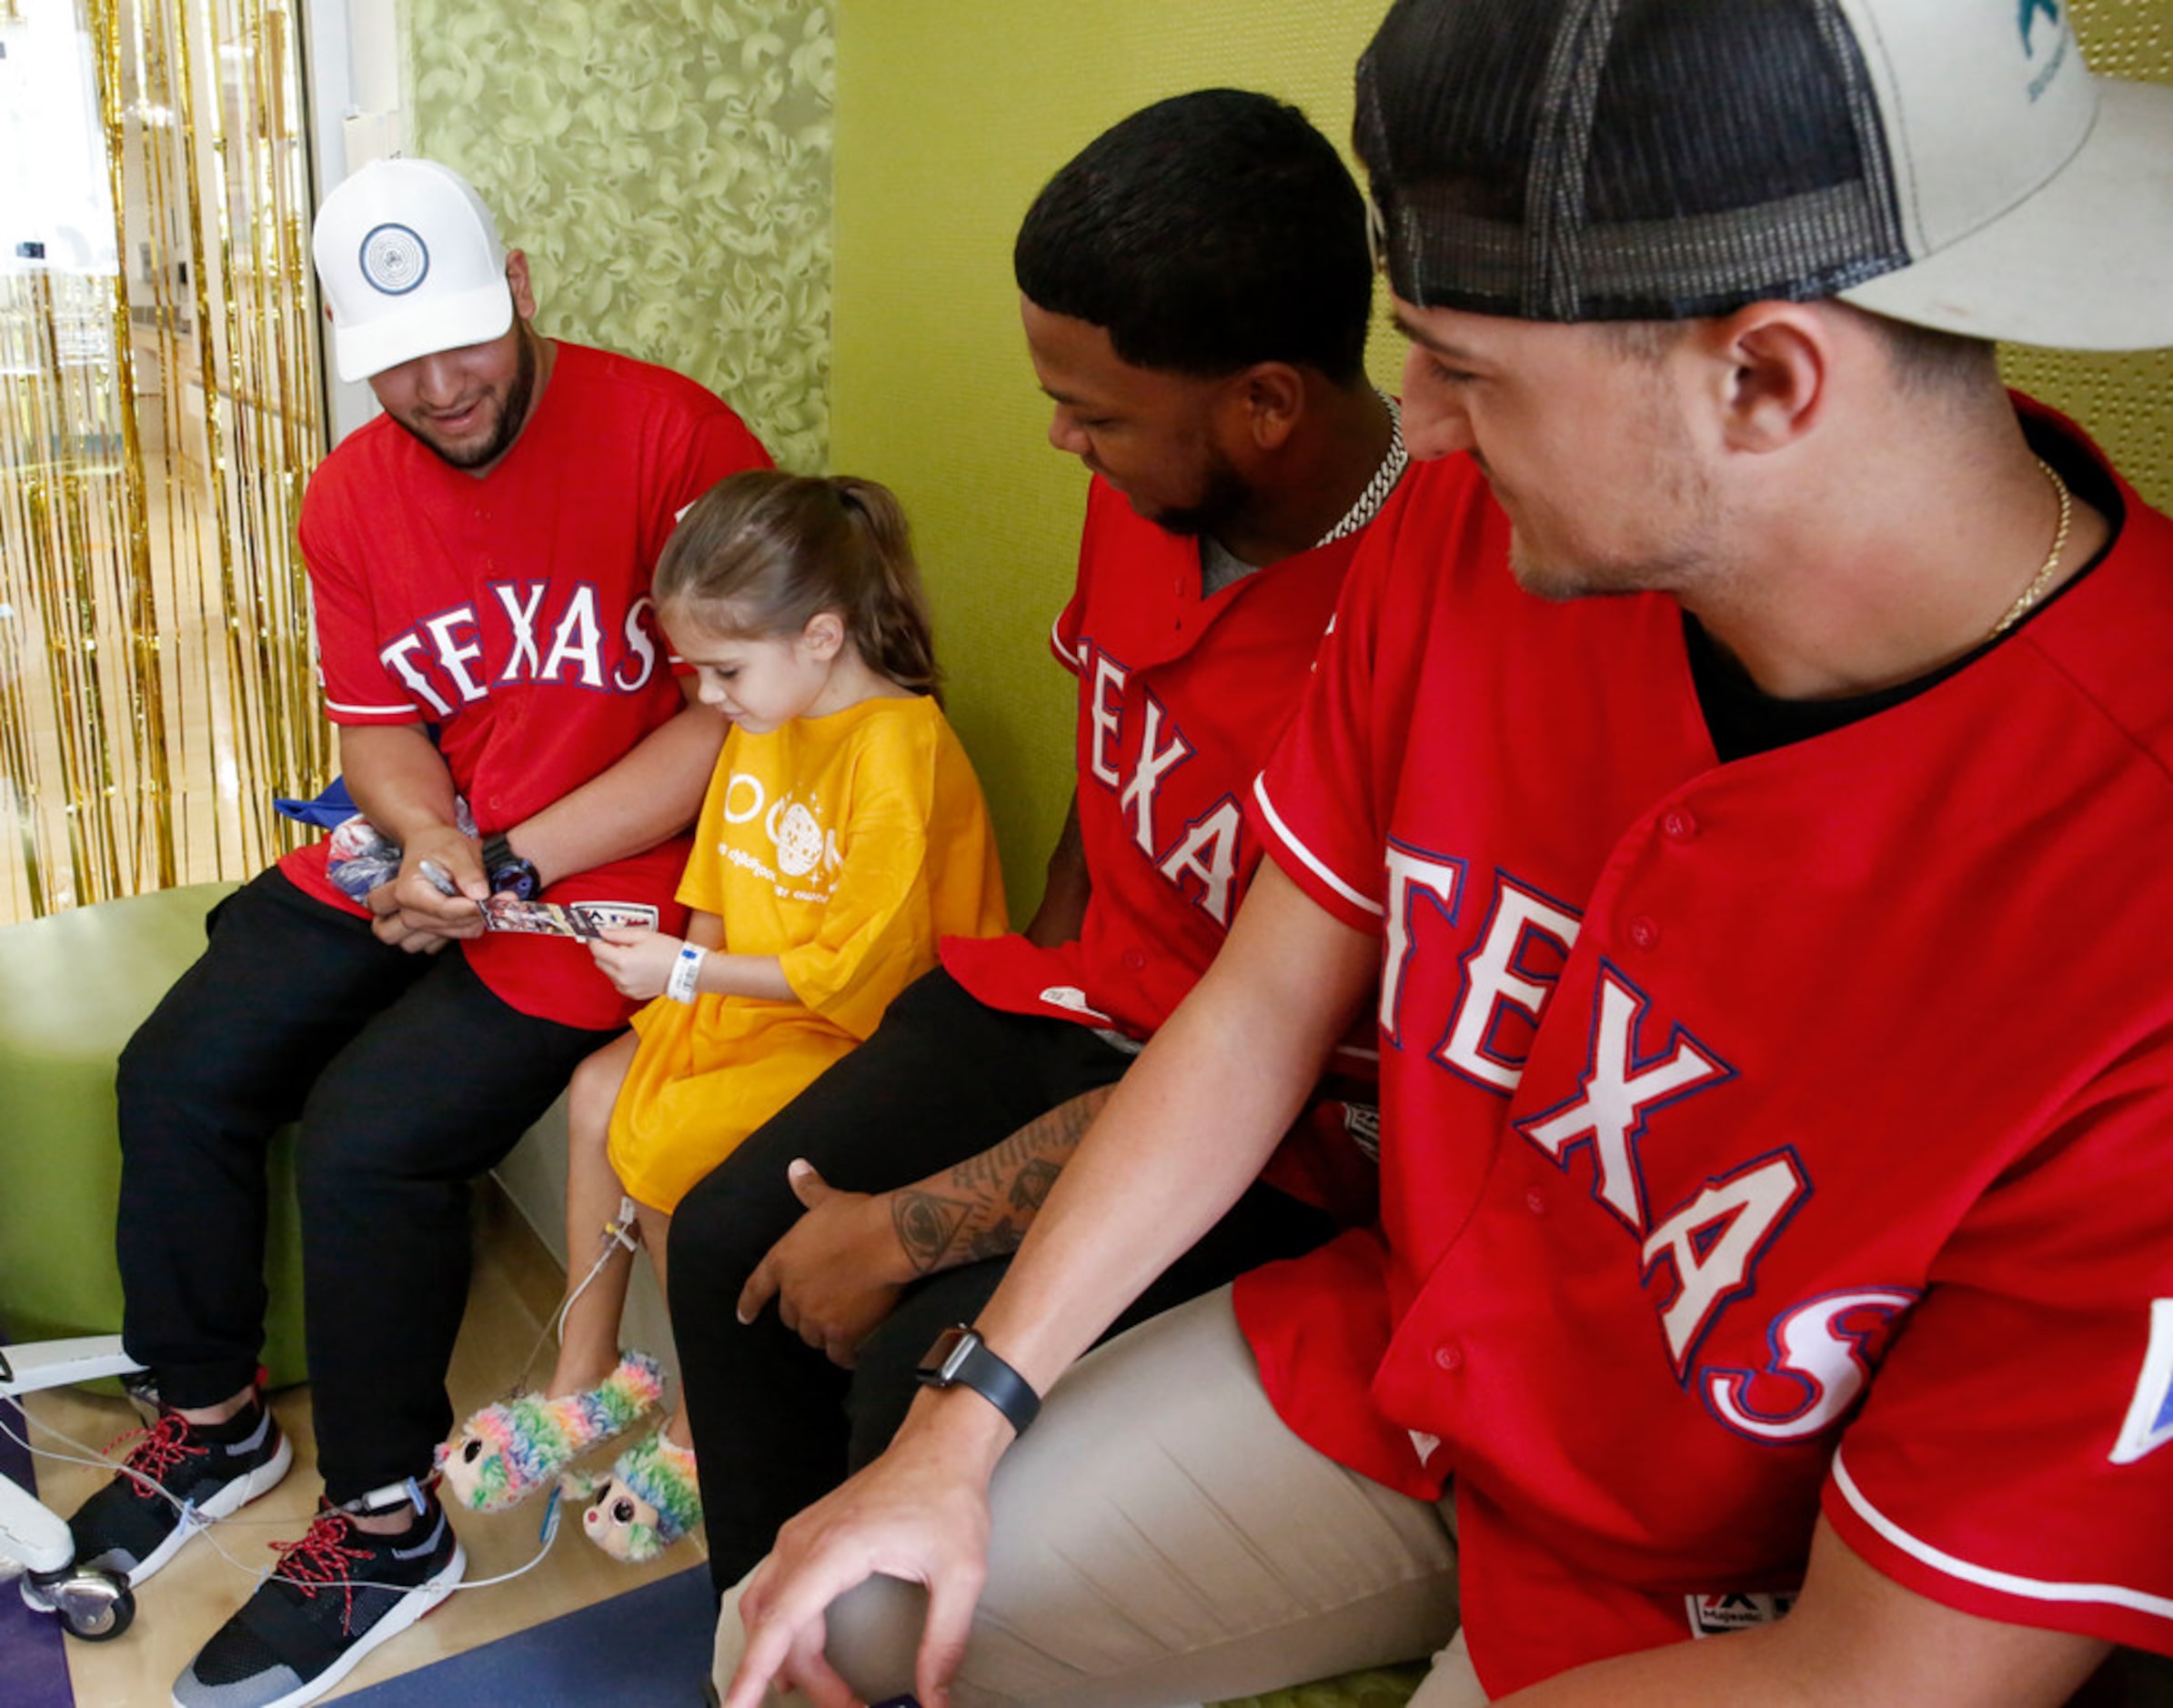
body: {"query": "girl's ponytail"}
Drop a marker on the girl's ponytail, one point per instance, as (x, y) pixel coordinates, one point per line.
(890, 621)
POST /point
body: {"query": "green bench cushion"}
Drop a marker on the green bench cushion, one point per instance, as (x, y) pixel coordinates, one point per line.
(73, 987)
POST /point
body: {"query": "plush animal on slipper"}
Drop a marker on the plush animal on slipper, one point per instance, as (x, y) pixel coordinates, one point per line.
(509, 1451)
(650, 1500)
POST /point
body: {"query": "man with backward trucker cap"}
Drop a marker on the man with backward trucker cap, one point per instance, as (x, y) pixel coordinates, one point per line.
(1744, 757)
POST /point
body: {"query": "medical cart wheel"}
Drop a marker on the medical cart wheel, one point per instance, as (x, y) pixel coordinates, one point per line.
(93, 1606)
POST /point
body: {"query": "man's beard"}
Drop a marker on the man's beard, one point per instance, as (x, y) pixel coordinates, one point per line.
(1226, 496)
(512, 416)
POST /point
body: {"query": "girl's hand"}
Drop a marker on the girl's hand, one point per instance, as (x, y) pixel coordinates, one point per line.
(637, 962)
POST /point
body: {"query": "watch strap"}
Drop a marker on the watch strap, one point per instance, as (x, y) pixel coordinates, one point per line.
(962, 1359)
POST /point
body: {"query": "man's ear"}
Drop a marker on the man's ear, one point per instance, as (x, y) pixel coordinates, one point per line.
(517, 279)
(824, 636)
(1267, 399)
(1772, 364)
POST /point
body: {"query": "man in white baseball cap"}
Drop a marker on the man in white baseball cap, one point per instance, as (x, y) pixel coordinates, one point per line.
(479, 559)
(1772, 1297)
(412, 264)
(429, 306)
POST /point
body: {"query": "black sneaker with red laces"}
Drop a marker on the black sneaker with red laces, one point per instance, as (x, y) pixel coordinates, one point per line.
(179, 1477)
(335, 1595)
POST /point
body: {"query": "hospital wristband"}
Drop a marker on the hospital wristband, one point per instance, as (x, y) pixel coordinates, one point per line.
(686, 973)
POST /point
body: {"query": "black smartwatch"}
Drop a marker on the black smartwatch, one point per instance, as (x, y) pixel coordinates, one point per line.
(962, 1359)
(508, 873)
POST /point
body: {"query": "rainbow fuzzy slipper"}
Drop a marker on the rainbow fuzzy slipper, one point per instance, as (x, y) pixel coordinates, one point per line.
(509, 1451)
(650, 1501)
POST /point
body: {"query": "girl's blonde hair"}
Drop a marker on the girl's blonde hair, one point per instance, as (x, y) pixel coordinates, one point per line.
(778, 548)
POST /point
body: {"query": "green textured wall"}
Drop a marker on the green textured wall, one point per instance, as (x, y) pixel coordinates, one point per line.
(951, 113)
(666, 164)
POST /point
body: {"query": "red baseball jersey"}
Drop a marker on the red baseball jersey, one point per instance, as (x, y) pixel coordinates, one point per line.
(1758, 1138)
(511, 612)
(1180, 699)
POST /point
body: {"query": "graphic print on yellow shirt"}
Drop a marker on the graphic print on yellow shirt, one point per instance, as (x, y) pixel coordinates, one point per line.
(802, 851)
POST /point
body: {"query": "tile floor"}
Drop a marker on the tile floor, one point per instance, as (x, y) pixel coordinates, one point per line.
(515, 1290)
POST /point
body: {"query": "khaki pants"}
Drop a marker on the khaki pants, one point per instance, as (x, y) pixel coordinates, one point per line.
(1160, 1537)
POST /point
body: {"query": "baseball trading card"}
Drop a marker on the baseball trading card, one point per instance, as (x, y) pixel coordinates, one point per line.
(542, 919)
(617, 916)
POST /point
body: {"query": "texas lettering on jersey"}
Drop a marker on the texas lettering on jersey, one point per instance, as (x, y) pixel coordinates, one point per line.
(1200, 856)
(456, 657)
(1697, 1257)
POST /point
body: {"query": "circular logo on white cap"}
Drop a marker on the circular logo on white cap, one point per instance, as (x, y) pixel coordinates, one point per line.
(395, 259)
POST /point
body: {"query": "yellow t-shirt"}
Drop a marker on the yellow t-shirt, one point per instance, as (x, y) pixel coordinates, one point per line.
(846, 846)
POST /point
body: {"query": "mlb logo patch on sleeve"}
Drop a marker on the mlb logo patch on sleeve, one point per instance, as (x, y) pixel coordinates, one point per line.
(2149, 1424)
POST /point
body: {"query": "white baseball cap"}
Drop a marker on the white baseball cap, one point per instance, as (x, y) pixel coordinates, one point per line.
(1952, 163)
(2037, 199)
(411, 264)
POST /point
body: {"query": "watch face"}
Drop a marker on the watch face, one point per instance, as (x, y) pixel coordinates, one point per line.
(516, 878)
(940, 1364)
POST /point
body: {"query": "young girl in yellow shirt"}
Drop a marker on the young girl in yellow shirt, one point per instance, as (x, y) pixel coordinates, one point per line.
(844, 833)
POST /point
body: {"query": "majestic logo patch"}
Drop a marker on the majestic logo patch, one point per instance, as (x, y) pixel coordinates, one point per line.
(1070, 996)
(395, 259)
(2150, 1424)
(1716, 1616)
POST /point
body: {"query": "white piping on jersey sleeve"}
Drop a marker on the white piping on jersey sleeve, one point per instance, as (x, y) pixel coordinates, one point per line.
(1314, 864)
(1056, 642)
(2006, 1582)
(405, 709)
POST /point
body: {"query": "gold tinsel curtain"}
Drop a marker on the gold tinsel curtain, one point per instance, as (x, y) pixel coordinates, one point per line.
(159, 414)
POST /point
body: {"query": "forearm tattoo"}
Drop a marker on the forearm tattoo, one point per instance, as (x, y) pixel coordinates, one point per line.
(983, 1207)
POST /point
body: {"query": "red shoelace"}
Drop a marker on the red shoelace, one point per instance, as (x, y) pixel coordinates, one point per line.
(158, 1450)
(322, 1557)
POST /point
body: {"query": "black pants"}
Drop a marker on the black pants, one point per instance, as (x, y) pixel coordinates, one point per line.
(776, 1425)
(410, 1078)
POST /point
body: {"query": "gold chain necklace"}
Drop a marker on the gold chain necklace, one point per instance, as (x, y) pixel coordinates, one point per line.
(2035, 591)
